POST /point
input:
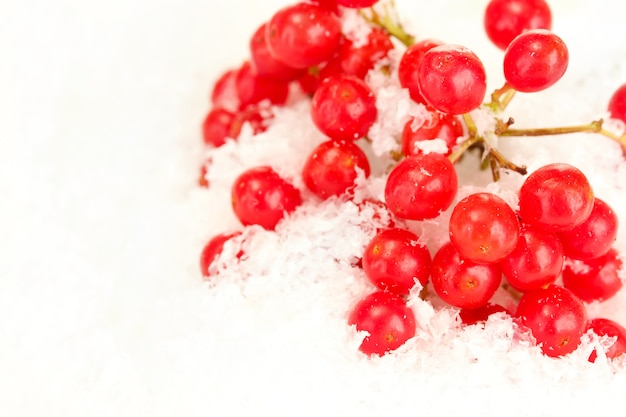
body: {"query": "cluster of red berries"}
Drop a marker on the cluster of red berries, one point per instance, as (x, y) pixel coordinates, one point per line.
(554, 252)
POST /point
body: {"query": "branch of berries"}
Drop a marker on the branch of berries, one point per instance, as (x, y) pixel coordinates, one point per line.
(555, 251)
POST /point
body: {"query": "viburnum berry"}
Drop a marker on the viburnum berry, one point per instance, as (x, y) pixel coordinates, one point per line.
(461, 282)
(594, 279)
(212, 249)
(555, 197)
(332, 168)
(471, 316)
(253, 88)
(357, 4)
(344, 107)
(216, 126)
(535, 60)
(266, 64)
(409, 63)
(256, 117)
(556, 318)
(303, 35)
(386, 318)
(358, 60)
(593, 237)
(421, 187)
(438, 126)
(505, 19)
(224, 92)
(536, 261)
(260, 196)
(617, 104)
(612, 329)
(395, 261)
(452, 79)
(484, 228)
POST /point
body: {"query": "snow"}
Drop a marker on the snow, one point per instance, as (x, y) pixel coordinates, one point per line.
(102, 309)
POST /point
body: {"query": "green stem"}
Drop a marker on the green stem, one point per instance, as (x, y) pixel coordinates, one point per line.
(593, 127)
(501, 98)
(389, 23)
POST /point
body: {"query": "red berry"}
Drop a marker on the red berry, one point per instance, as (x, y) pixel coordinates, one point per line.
(535, 60)
(253, 88)
(357, 4)
(332, 168)
(409, 63)
(461, 282)
(439, 126)
(216, 126)
(224, 92)
(264, 63)
(556, 318)
(344, 107)
(358, 60)
(212, 250)
(536, 261)
(387, 319)
(260, 196)
(303, 35)
(594, 279)
(556, 197)
(610, 328)
(617, 104)
(452, 79)
(421, 187)
(484, 228)
(505, 19)
(471, 316)
(394, 261)
(593, 237)
(256, 117)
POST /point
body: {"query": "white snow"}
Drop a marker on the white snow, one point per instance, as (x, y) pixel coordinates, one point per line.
(102, 308)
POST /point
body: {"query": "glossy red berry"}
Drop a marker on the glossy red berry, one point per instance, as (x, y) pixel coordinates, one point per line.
(224, 92)
(452, 79)
(358, 60)
(266, 64)
(253, 88)
(332, 168)
(344, 107)
(481, 314)
(461, 282)
(612, 329)
(357, 4)
(484, 228)
(409, 63)
(303, 35)
(536, 261)
(505, 19)
(556, 318)
(535, 60)
(216, 126)
(556, 197)
(395, 261)
(386, 318)
(439, 126)
(421, 187)
(593, 237)
(617, 104)
(212, 249)
(595, 279)
(260, 196)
